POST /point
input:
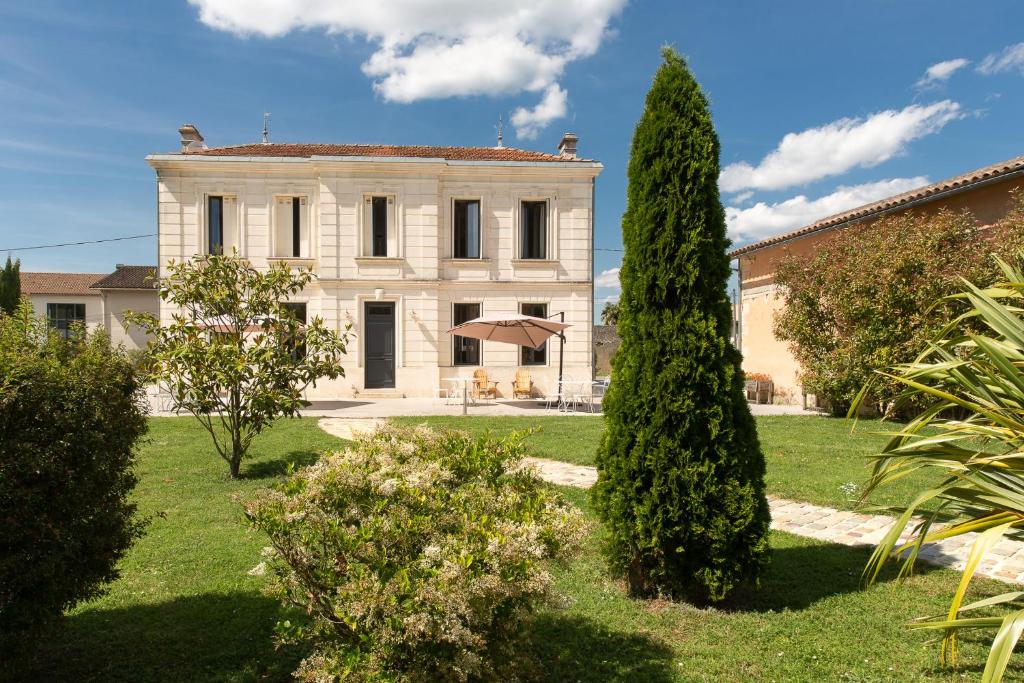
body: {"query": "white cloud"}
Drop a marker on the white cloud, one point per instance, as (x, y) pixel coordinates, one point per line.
(608, 279)
(765, 220)
(1011, 58)
(839, 146)
(529, 122)
(445, 48)
(940, 73)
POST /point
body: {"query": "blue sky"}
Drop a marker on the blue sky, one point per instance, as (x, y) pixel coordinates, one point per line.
(820, 106)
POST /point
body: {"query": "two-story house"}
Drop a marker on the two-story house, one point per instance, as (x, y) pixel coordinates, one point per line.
(406, 241)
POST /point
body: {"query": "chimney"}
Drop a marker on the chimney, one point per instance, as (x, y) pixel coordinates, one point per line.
(567, 147)
(191, 138)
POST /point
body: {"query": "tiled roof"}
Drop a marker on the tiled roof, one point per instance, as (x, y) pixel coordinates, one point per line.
(280, 149)
(129, 277)
(59, 283)
(960, 182)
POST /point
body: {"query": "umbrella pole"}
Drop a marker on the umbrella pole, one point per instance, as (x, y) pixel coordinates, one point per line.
(561, 353)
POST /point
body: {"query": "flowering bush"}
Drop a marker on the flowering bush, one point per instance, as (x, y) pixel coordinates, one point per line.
(414, 552)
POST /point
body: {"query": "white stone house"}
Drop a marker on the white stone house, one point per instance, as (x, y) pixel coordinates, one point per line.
(406, 241)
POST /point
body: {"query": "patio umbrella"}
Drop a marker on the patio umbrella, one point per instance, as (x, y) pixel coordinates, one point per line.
(518, 329)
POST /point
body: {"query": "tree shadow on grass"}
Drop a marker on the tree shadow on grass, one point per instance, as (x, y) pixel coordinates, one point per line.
(801, 575)
(277, 467)
(211, 637)
(560, 647)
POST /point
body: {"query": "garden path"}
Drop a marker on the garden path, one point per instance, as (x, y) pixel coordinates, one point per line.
(1004, 562)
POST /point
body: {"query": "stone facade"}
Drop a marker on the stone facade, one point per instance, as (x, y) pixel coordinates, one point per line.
(419, 271)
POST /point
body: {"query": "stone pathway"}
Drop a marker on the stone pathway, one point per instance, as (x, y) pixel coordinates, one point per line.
(1004, 562)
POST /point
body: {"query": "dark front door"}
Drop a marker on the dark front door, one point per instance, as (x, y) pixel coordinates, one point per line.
(379, 345)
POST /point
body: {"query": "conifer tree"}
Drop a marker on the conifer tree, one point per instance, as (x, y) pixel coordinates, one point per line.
(681, 474)
(10, 286)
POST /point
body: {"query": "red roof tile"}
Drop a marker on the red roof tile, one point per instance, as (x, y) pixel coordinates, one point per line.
(959, 182)
(59, 283)
(280, 149)
(129, 277)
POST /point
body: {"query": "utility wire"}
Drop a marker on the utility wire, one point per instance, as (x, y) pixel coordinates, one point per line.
(75, 244)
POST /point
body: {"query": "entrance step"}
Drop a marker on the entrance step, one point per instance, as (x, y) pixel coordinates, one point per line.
(380, 393)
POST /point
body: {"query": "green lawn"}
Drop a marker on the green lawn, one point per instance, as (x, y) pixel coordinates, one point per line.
(186, 609)
(816, 459)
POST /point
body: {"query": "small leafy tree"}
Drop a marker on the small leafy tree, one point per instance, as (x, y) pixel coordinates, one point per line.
(681, 474)
(71, 412)
(232, 354)
(866, 299)
(610, 314)
(10, 286)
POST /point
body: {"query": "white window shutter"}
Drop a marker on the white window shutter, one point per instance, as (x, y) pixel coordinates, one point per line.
(231, 231)
(367, 249)
(282, 226)
(392, 228)
(304, 249)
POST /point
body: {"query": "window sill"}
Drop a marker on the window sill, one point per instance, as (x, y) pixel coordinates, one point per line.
(301, 260)
(526, 262)
(379, 260)
(464, 261)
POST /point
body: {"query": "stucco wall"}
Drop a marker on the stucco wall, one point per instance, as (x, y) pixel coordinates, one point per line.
(116, 303)
(420, 275)
(762, 352)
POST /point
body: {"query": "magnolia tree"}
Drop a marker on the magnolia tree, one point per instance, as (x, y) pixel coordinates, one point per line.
(233, 353)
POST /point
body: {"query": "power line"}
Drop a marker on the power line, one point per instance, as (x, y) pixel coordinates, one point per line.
(75, 244)
(606, 249)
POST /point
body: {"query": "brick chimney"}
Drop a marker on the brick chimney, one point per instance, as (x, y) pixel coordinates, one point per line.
(567, 147)
(191, 138)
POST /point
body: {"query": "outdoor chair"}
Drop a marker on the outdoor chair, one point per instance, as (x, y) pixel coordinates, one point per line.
(522, 386)
(482, 387)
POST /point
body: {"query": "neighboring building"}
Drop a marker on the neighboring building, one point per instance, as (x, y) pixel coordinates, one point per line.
(407, 241)
(986, 192)
(64, 298)
(606, 343)
(129, 288)
(96, 299)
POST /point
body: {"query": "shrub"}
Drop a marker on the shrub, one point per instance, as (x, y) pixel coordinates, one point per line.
(681, 474)
(865, 299)
(414, 552)
(70, 414)
(968, 435)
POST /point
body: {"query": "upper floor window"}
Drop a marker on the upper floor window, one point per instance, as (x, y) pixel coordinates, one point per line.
(467, 349)
(221, 224)
(528, 354)
(291, 227)
(466, 228)
(63, 317)
(533, 230)
(380, 235)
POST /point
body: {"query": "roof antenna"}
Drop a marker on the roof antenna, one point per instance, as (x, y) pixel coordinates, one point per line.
(266, 131)
(500, 130)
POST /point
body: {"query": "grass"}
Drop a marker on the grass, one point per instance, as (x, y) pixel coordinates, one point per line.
(186, 609)
(816, 459)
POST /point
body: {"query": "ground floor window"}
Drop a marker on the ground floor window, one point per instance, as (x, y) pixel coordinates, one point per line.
(466, 350)
(530, 355)
(62, 317)
(298, 311)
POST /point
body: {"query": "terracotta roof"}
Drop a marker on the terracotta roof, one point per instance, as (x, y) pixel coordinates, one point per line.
(59, 283)
(129, 277)
(960, 182)
(281, 149)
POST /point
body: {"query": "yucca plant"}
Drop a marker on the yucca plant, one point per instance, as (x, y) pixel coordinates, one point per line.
(970, 382)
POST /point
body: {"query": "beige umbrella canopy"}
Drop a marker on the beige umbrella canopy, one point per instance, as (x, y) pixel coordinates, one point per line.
(522, 330)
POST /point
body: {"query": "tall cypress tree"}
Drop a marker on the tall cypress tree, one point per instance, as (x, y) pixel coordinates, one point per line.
(681, 474)
(10, 286)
